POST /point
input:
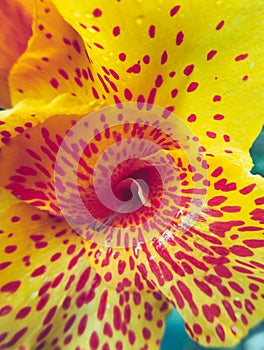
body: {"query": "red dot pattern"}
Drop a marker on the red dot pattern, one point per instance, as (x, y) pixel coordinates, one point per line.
(222, 251)
(67, 303)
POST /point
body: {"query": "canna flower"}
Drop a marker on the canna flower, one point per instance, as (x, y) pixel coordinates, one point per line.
(14, 36)
(201, 61)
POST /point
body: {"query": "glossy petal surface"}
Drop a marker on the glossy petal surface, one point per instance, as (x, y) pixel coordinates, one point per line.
(51, 298)
(203, 60)
(16, 21)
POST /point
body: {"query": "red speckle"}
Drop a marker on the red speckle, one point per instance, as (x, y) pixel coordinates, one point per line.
(244, 319)
(54, 83)
(22, 313)
(152, 31)
(179, 38)
(116, 31)
(217, 98)
(218, 116)
(220, 332)
(224, 186)
(76, 45)
(259, 201)
(5, 310)
(211, 134)
(220, 25)
(164, 57)
(131, 337)
(66, 41)
(97, 13)
(211, 54)
(117, 318)
(241, 57)
(254, 243)
(11, 287)
(174, 93)
(122, 57)
(174, 10)
(159, 81)
(188, 69)
(63, 73)
(192, 87)
(50, 314)
(78, 81)
(191, 118)
(146, 59)
(10, 249)
(102, 306)
(39, 271)
(146, 333)
(134, 69)
(216, 200)
(197, 329)
(16, 337)
(82, 325)
(204, 287)
(128, 94)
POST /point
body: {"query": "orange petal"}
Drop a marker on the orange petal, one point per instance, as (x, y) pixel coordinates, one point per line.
(203, 60)
(16, 21)
(55, 63)
(50, 297)
(213, 272)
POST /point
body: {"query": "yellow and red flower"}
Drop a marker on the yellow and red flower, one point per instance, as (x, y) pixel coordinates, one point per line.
(202, 60)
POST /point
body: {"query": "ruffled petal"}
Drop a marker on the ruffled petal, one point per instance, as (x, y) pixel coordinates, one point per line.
(16, 22)
(51, 298)
(213, 272)
(55, 63)
(202, 60)
(30, 112)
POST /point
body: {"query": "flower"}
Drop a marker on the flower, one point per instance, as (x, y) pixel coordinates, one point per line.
(14, 38)
(201, 60)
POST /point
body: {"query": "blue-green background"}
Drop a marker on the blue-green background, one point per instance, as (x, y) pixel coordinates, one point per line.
(175, 337)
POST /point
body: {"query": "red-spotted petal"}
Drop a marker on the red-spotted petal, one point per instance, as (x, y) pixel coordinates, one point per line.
(202, 60)
(52, 299)
(56, 62)
(213, 272)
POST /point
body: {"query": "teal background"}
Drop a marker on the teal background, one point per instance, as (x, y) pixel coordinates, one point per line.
(175, 337)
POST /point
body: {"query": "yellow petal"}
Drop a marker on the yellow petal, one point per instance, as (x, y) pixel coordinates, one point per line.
(51, 297)
(28, 159)
(30, 112)
(16, 21)
(213, 272)
(201, 59)
(55, 63)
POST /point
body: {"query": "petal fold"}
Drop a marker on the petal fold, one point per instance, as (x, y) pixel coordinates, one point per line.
(55, 63)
